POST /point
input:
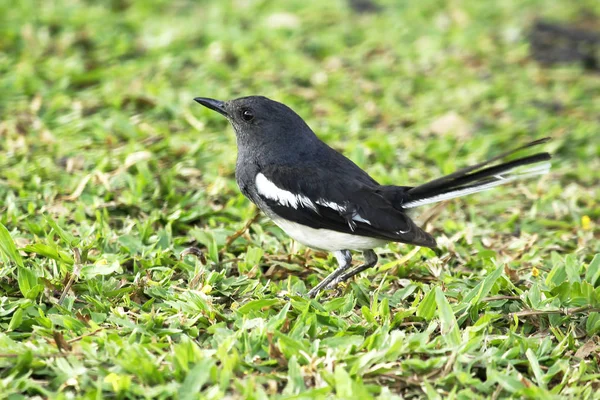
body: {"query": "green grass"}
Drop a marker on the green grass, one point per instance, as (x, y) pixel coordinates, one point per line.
(107, 167)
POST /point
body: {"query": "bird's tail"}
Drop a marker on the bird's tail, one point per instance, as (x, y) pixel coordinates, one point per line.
(480, 177)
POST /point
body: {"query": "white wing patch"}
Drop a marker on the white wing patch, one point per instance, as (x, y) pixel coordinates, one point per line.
(286, 198)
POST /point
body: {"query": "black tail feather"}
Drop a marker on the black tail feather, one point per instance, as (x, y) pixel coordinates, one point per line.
(464, 179)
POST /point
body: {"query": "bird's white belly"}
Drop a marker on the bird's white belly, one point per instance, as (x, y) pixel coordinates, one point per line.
(325, 239)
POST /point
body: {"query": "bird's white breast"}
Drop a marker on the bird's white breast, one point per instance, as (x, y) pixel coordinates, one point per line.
(325, 239)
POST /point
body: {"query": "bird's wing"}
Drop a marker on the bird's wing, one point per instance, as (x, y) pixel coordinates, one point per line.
(323, 199)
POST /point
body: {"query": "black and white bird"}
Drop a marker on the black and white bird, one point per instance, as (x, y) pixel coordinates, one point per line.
(325, 201)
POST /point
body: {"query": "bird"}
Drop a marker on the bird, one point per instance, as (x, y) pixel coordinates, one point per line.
(323, 200)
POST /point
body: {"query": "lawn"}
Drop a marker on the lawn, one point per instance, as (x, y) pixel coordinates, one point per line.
(109, 171)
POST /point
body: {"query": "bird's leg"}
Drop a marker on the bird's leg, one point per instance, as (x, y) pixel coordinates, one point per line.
(370, 261)
(344, 259)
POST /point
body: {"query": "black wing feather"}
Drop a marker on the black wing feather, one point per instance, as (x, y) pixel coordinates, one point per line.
(358, 197)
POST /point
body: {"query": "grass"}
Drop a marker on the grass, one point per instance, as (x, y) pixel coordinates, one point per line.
(110, 170)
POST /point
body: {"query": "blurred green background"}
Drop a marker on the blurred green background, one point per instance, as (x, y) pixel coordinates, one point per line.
(103, 150)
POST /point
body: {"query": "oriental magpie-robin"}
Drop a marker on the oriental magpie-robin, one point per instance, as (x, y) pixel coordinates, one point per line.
(323, 200)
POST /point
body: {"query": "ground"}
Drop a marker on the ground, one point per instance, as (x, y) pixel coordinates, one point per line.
(110, 169)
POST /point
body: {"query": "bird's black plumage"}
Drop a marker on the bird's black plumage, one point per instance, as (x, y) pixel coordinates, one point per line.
(324, 200)
(355, 197)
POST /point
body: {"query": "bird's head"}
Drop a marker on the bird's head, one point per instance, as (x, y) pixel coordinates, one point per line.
(258, 120)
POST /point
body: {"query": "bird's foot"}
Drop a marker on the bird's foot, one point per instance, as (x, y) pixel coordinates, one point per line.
(323, 286)
(316, 290)
(344, 260)
(313, 292)
(334, 284)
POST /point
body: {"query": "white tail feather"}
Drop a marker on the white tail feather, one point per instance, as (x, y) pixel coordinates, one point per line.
(501, 179)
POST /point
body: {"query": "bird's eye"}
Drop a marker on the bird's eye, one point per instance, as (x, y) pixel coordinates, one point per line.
(247, 115)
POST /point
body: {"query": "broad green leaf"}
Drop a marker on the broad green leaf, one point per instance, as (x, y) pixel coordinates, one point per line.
(366, 312)
(484, 321)
(384, 309)
(7, 246)
(257, 305)
(67, 322)
(289, 346)
(131, 244)
(251, 260)
(278, 320)
(592, 324)
(100, 267)
(535, 367)
(508, 382)
(50, 252)
(207, 238)
(572, 268)
(576, 294)
(482, 289)
(254, 255)
(535, 296)
(431, 392)
(16, 320)
(426, 308)
(195, 379)
(343, 383)
(69, 239)
(449, 326)
(295, 382)
(592, 273)
(345, 342)
(558, 273)
(118, 383)
(28, 283)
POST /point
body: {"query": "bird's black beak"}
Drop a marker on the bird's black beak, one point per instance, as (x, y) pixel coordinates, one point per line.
(215, 105)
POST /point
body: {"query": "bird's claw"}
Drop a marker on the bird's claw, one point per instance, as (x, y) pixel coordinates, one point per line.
(316, 290)
(333, 285)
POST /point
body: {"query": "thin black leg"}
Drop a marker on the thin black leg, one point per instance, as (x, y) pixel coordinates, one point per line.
(370, 261)
(344, 259)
